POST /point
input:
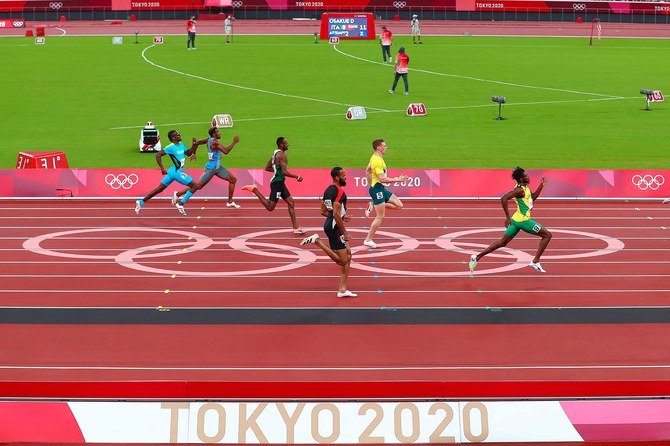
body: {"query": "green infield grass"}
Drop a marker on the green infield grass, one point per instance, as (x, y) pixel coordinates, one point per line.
(569, 105)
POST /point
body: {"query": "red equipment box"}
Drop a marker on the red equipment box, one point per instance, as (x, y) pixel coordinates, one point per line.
(41, 160)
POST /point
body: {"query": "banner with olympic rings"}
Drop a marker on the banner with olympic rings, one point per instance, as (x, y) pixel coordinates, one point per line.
(421, 183)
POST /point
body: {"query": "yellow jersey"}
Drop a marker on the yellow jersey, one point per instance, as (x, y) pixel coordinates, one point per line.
(376, 166)
(523, 205)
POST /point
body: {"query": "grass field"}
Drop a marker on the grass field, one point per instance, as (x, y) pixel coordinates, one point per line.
(569, 105)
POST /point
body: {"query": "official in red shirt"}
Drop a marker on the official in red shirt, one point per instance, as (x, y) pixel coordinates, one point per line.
(190, 29)
(401, 69)
(386, 39)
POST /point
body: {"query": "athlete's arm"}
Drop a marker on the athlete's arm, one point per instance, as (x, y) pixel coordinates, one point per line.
(159, 159)
(517, 192)
(539, 188)
(280, 159)
(384, 179)
(194, 147)
(224, 149)
(337, 209)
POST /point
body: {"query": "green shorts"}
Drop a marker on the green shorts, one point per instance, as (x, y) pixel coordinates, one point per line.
(529, 226)
(379, 194)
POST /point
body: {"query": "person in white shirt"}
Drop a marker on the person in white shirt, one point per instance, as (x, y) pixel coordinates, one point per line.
(228, 27)
(416, 32)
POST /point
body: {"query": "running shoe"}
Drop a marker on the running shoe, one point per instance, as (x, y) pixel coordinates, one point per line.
(299, 231)
(138, 207)
(666, 201)
(250, 188)
(370, 244)
(473, 263)
(232, 204)
(391, 91)
(406, 93)
(347, 293)
(311, 239)
(180, 208)
(537, 267)
(175, 197)
(368, 211)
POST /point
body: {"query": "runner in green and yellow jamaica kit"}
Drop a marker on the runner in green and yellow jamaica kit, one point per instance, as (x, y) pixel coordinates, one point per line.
(520, 221)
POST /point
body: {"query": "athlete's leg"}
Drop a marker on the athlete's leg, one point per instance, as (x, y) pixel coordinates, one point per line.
(404, 79)
(155, 191)
(546, 238)
(380, 213)
(344, 275)
(495, 245)
(291, 211)
(394, 203)
(231, 186)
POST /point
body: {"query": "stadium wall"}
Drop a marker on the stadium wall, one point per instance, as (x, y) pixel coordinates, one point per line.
(422, 183)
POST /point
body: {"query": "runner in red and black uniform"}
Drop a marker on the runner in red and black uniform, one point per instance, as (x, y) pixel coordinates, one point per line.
(334, 208)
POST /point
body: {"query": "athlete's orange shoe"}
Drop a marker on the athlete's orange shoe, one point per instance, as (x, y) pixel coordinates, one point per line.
(250, 187)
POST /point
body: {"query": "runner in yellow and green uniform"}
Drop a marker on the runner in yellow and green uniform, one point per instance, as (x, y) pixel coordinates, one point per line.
(520, 221)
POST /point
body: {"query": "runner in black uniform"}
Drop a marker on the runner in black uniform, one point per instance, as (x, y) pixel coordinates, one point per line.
(334, 208)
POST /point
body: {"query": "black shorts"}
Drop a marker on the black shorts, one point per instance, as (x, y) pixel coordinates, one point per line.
(335, 237)
(278, 190)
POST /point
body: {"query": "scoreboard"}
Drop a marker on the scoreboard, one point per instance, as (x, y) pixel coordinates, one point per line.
(348, 26)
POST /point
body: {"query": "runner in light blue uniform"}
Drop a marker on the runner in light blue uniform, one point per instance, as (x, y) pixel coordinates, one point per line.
(215, 151)
(177, 152)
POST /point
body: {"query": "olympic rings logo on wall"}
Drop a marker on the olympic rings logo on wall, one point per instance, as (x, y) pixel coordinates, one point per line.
(18, 23)
(121, 181)
(237, 4)
(56, 5)
(579, 6)
(645, 182)
(399, 4)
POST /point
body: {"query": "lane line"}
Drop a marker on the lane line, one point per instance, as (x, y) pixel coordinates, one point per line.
(349, 369)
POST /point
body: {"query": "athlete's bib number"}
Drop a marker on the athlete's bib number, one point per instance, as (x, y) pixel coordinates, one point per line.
(380, 195)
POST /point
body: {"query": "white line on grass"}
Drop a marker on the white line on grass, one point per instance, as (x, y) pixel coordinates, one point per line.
(242, 87)
(450, 107)
(482, 80)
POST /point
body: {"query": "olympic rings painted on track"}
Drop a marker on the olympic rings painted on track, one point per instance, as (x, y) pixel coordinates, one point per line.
(303, 257)
(35, 244)
(406, 244)
(126, 258)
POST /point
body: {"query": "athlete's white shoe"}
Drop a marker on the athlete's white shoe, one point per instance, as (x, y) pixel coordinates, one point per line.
(666, 201)
(370, 244)
(368, 211)
(299, 231)
(473, 263)
(180, 208)
(537, 267)
(311, 239)
(138, 207)
(347, 293)
(232, 204)
(175, 197)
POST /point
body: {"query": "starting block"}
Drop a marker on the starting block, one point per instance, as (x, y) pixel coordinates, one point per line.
(150, 140)
(416, 109)
(354, 113)
(654, 96)
(42, 160)
(222, 121)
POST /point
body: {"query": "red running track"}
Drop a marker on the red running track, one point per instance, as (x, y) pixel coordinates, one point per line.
(97, 256)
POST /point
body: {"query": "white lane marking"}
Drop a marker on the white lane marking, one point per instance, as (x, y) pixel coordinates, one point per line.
(242, 87)
(477, 79)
